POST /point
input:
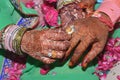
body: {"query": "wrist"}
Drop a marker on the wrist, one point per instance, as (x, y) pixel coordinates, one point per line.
(103, 17)
(26, 41)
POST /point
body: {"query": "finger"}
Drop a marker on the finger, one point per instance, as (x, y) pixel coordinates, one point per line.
(47, 60)
(57, 35)
(55, 45)
(74, 41)
(53, 54)
(95, 50)
(79, 50)
(41, 58)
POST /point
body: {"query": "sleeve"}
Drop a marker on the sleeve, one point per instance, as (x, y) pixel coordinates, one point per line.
(111, 8)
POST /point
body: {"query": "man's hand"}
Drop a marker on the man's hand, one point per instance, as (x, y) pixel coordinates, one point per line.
(88, 32)
(45, 45)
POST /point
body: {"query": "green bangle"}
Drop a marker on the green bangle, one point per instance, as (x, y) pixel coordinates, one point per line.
(17, 41)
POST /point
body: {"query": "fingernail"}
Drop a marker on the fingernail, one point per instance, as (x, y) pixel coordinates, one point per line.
(84, 63)
(70, 64)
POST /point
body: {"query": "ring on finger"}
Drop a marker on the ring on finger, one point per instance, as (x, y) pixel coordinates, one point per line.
(52, 53)
(70, 29)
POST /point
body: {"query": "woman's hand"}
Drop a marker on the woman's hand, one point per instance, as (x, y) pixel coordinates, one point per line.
(87, 32)
(45, 45)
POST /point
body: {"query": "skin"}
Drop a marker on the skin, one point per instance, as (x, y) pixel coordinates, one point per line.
(88, 32)
(40, 43)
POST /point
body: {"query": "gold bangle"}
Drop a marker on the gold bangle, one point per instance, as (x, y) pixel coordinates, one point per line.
(17, 41)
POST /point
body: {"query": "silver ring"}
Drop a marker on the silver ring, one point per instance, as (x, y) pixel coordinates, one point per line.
(52, 54)
(49, 54)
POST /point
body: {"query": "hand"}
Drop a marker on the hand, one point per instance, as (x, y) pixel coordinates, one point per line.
(88, 32)
(45, 45)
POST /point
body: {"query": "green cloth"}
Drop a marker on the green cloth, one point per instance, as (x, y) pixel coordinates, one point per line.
(8, 15)
(32, 71)
(116, 33)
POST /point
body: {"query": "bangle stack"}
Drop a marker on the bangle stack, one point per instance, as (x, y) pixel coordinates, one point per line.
(11, 38)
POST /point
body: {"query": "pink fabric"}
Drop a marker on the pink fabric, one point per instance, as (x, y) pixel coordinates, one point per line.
(50, 14)
(111, 8)
(46, 11)
(107, 60)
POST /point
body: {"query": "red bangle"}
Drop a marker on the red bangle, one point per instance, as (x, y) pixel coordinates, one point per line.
(103, 19)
